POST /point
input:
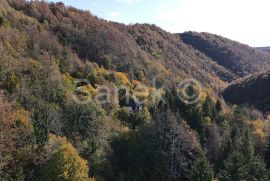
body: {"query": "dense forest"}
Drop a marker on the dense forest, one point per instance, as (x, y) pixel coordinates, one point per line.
(253, 90)
(267, 49)
(237, 58)
(84, 99)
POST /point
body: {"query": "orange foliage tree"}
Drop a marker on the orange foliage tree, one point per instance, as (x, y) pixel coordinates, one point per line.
(7, 132)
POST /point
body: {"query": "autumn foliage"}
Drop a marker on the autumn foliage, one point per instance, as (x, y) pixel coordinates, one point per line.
(55, 57)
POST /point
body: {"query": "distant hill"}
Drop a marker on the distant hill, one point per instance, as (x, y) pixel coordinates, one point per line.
(238, 58)
(267, 49)
(252, 90)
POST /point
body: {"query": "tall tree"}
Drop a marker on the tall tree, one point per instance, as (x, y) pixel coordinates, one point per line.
(201, 170)
(65, 165)
(213, 145)
(257, 170)
(7, 131)
(15, 139)
(177, 141)
(267, 154)
(235, 168)
(218, 106)
(208, 107)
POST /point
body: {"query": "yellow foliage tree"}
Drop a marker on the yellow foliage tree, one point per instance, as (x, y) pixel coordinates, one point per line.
(88, 90)
(259, 127)
(122, 77)
(22, 121)
(68, 82)
(260, 134)
(207, 121)
(65, 165)
(258, 124)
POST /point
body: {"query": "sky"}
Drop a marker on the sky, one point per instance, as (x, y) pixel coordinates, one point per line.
(246, 21)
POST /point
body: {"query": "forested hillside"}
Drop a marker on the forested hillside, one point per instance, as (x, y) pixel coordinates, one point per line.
(239, 59)
(140, 50)
(253, 90)
(267, 49)
(78, 102)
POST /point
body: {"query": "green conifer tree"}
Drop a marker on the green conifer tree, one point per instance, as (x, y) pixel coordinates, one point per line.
(235, 168)
(201, 170)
